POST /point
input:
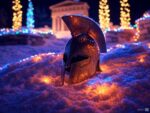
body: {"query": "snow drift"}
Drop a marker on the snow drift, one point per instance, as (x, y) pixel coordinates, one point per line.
(32, 85)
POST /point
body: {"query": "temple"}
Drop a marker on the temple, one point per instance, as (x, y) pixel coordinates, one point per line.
(66, 7)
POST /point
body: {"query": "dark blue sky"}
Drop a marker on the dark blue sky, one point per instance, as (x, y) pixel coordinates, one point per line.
(42, 12)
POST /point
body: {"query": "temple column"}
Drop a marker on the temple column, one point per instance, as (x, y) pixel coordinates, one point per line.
(54, 24)
(59, 24)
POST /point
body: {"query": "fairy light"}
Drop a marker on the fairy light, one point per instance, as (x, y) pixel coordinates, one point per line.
(141, 23)
(17, 15)
(141, 58)
(37, 59)
(104, 16)
(137, 35)
(125, 14)
(102, 90)
(148, 45)
(7, 31)
(46, 79)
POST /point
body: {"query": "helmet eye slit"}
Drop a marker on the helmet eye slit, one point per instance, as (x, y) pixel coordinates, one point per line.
(78, 58)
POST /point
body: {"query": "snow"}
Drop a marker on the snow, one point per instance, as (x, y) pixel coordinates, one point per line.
(12, 54)
(32, 85)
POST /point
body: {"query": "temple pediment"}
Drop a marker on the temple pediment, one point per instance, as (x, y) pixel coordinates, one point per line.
(66, 3)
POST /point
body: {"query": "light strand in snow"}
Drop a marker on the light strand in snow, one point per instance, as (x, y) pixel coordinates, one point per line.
(6, 31)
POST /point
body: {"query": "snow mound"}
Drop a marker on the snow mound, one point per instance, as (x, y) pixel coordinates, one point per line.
(11, 54)
(32, 85)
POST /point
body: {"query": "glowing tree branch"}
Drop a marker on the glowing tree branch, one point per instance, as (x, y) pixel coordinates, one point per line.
(125, 14)
(17, 15)
(30, 15)
(104, 16)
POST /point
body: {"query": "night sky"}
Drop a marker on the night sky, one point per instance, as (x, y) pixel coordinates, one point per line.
(42, 12)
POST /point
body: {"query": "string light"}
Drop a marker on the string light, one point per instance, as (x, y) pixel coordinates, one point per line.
(7, 31)
(30, 15)
(125, 14)
(104, 16)
(141, 23)
(17, 15)
(37, 59)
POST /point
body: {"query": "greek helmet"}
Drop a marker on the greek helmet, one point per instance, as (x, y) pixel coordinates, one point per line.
(81, 56)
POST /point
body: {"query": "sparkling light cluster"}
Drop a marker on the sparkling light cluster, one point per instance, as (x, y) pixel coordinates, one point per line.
(17, 15)
(30, 15)
(7, 31)
(116, 46)
(144, 19)
(124, 14)
(104, 16)
(32, 58)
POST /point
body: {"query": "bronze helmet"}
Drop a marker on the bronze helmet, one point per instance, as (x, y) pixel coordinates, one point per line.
(81, 56)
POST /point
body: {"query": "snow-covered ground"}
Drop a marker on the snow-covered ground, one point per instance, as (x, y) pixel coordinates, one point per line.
(32, 85)
(12, 54)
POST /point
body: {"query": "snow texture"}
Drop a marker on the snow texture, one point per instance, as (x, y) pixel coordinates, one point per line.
(12, 54)
(32, 85)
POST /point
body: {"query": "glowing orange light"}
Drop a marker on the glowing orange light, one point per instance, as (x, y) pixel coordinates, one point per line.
(141, 58)
(37, 59)
(102, 90)
(46, 79)
(105, 68)
(148, 45)
(135, 39)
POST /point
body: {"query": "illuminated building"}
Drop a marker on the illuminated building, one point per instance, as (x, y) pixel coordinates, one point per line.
(66, 7)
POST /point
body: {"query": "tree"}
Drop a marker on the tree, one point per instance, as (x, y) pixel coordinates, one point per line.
(30, 15)
(124, 14)
(104, 16)
(17, 15)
